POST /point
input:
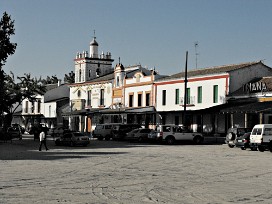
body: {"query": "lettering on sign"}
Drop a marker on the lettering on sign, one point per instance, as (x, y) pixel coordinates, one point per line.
(255, 87)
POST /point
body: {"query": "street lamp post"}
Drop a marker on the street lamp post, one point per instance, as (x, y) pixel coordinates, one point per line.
(185, 91)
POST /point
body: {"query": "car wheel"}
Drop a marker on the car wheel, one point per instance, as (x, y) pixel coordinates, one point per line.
(231, 146)
(100, 138)
(198, 140)
(270, 147)
(170, 140)
(231, 136)
(57, 142)
(140, 139)
(72, 144)
(261, 148)
(107, 137)
(243, 148)
(253, 148)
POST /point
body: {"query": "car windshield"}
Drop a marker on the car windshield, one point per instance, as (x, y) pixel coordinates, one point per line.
(257, 131)
(78, 134)
(136, 130)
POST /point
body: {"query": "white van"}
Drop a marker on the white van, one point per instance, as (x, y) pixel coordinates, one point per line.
(102, 131)
(261, 137)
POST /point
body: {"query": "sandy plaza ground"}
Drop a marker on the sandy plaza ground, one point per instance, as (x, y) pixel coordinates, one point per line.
(123, 172)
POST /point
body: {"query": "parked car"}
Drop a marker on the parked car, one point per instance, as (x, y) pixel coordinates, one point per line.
(261, 137)
(51, 131)
(233, 133)
(119, 131)
(102, 131)
(59, 131)
(15, 132)
(153, 135)
(243, 141)
(19, 126)
(139, 135)
(4, 135)
(73, 139)
(172, 133)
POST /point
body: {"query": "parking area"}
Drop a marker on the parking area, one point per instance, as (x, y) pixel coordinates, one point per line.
(123, 172)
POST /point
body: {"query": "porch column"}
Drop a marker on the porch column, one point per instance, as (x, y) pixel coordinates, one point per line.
(246, 120)
(261, 118)
(231, 119)
(70, 123)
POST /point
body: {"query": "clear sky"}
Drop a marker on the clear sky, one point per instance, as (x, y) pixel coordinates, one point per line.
(154, 33)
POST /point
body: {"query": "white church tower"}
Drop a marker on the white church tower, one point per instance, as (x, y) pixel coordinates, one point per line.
(88, 67)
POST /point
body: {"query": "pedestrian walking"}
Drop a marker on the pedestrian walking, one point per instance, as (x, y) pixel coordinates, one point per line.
(43, 139)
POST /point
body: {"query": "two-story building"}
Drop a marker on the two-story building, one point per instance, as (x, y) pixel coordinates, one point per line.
(92, 89)
(207, 90)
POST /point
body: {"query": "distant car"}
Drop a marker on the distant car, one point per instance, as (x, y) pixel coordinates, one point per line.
(15, 132)
(153, 135)
(119, 131)
(59, 131)
(173, 133)
(233, 133)
(139, 135)
(19, 126)
(51, 131)
(73, 139)
(102, 131)
(243, 141)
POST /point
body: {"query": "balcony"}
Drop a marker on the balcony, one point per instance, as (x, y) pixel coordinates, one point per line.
(190, 101)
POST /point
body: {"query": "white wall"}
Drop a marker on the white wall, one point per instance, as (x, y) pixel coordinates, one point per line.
(95, 97)
(207, 84)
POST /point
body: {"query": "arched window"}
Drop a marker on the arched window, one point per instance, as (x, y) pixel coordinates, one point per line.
(90, 73)
(117, 81)
(79, 76)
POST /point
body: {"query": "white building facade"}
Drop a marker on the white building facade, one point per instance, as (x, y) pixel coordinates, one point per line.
(207, 90)
(92, 89)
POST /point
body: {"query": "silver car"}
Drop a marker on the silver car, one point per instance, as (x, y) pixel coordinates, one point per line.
(139, 135)
(73, 139)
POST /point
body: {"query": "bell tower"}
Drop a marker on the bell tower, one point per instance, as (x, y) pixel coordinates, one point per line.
(93, 65)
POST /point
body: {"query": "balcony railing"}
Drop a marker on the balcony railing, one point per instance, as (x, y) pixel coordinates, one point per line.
(190, 100)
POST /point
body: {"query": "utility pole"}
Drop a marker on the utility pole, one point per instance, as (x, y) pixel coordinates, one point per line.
(196, 53)
(185, 91)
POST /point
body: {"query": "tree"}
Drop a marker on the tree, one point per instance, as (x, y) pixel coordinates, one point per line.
(6, 31)
(6, 48)
(50, 80)
(15, 93)
(69, 78)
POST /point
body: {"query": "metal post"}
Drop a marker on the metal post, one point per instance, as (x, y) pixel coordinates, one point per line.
(185, 91)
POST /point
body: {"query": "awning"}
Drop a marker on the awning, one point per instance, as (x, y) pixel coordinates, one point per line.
(80, 112)
(109, 111)
(248, 108)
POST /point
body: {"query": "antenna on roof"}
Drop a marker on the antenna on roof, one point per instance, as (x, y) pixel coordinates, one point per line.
(94, 34)
(196, 53)
(119, 60)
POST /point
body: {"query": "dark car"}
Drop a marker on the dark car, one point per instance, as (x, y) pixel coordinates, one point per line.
(19, 126)
(233, 133)
(139, 135)
(243, 141)
(73, 139)
(14, 132)
(119, 131)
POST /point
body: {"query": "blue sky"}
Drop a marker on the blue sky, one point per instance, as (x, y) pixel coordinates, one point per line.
(154, 33)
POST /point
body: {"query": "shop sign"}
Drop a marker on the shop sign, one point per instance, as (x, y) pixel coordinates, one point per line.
(255, 87)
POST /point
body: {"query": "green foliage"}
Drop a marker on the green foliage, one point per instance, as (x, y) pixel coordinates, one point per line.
(26, 88)
(6, 30)
(50, 80)
(69, 78)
